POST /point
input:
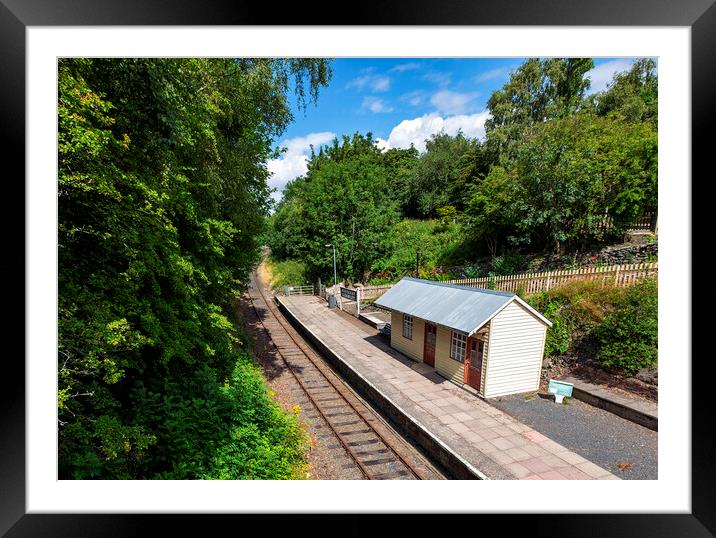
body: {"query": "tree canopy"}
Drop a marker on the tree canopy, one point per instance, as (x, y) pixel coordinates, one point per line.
(558, 170)
(162, 195)
(345, 199)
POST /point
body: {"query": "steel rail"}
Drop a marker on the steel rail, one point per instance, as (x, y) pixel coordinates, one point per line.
(341, 391)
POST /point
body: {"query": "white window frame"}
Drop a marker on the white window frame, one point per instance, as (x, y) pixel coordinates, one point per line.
(458, 346)
(407, 326)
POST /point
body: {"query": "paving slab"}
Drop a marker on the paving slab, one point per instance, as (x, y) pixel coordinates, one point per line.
(624, 448)
(487, 442)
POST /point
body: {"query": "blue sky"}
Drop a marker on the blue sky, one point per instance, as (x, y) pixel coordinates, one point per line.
(403, 101)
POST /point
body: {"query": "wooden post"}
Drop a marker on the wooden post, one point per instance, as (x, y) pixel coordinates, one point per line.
(358, 302)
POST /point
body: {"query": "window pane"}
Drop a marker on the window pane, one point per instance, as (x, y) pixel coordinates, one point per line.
(408, 327)
(458, 345)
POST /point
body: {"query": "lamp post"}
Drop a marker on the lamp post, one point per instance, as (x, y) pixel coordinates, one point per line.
(335, 280)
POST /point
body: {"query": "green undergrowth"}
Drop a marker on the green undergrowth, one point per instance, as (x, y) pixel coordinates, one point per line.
(226, 428)
(286, 273)
(628, 336)
(617, 326)
(436, 240)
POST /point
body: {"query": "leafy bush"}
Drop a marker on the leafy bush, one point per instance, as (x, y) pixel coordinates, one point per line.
(628, 336)
(471, 271)
(559, 336)
(575, 310)
(507, 264)
(219, 430)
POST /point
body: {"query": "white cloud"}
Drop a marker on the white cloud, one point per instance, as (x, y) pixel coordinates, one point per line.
(375, 83)
(448, 102)
(603, 73)
(493, 74)
(400, 68)
(413, 98)
(375, 105)
(380, 84)
(359, 82)
(441, 79)
(415, 131)
(292, 163)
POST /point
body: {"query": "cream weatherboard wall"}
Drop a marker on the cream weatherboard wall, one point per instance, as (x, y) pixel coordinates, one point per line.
(515, 351)
(411, 348)
(484, 335)
(447, 367)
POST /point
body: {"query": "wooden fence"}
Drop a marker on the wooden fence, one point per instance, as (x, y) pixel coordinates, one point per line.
(618, 275)
(529, 283)
(648, 221)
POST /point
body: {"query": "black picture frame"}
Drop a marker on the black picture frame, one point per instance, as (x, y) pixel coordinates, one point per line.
(17, 15)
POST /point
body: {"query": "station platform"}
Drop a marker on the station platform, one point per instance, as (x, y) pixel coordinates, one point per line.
(467, 435)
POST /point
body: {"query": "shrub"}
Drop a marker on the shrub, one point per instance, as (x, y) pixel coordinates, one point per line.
(209, 428)
(558, 335)
(471, 271)
(434, 239)
(628, 336)
(507, 264)
(576, 310)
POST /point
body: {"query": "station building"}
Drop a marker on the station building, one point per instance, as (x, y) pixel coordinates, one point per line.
(489, 340)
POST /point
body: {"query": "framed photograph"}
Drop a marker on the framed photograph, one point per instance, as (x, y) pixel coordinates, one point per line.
(36, 34)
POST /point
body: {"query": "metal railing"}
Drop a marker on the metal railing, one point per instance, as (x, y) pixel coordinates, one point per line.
(299, 290)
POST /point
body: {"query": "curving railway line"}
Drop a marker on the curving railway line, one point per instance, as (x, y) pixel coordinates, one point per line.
(375, 450)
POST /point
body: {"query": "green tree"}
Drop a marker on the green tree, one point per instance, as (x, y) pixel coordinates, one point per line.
(400, 166)
(563, 179)
(344, 199)
(161, 195)
(439, 178)
(538, 91)
(632, 95)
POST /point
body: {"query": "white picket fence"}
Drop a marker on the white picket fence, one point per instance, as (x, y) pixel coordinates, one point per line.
(529, 283)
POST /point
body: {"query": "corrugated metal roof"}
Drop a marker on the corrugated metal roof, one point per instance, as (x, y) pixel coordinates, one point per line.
(461, 308)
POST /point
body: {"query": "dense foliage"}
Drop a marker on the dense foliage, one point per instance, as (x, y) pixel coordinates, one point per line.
(576, 311)
(432, 240)
(344, 200)
(628, 337)
(617, 325)
(285, 272)
(563, 180)
(162, 193)
(558, 171)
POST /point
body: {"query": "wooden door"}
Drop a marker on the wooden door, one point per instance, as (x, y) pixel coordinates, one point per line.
(473, 361)
(429, 346)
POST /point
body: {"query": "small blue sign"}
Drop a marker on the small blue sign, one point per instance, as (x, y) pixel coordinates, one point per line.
(560, 388)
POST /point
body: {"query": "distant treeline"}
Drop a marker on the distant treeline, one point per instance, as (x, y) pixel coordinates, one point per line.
(554, 164)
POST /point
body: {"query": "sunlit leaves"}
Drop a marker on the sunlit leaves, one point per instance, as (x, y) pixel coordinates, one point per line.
(162, 192)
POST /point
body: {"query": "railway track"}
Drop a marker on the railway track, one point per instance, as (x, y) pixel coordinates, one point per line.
(376, 450)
